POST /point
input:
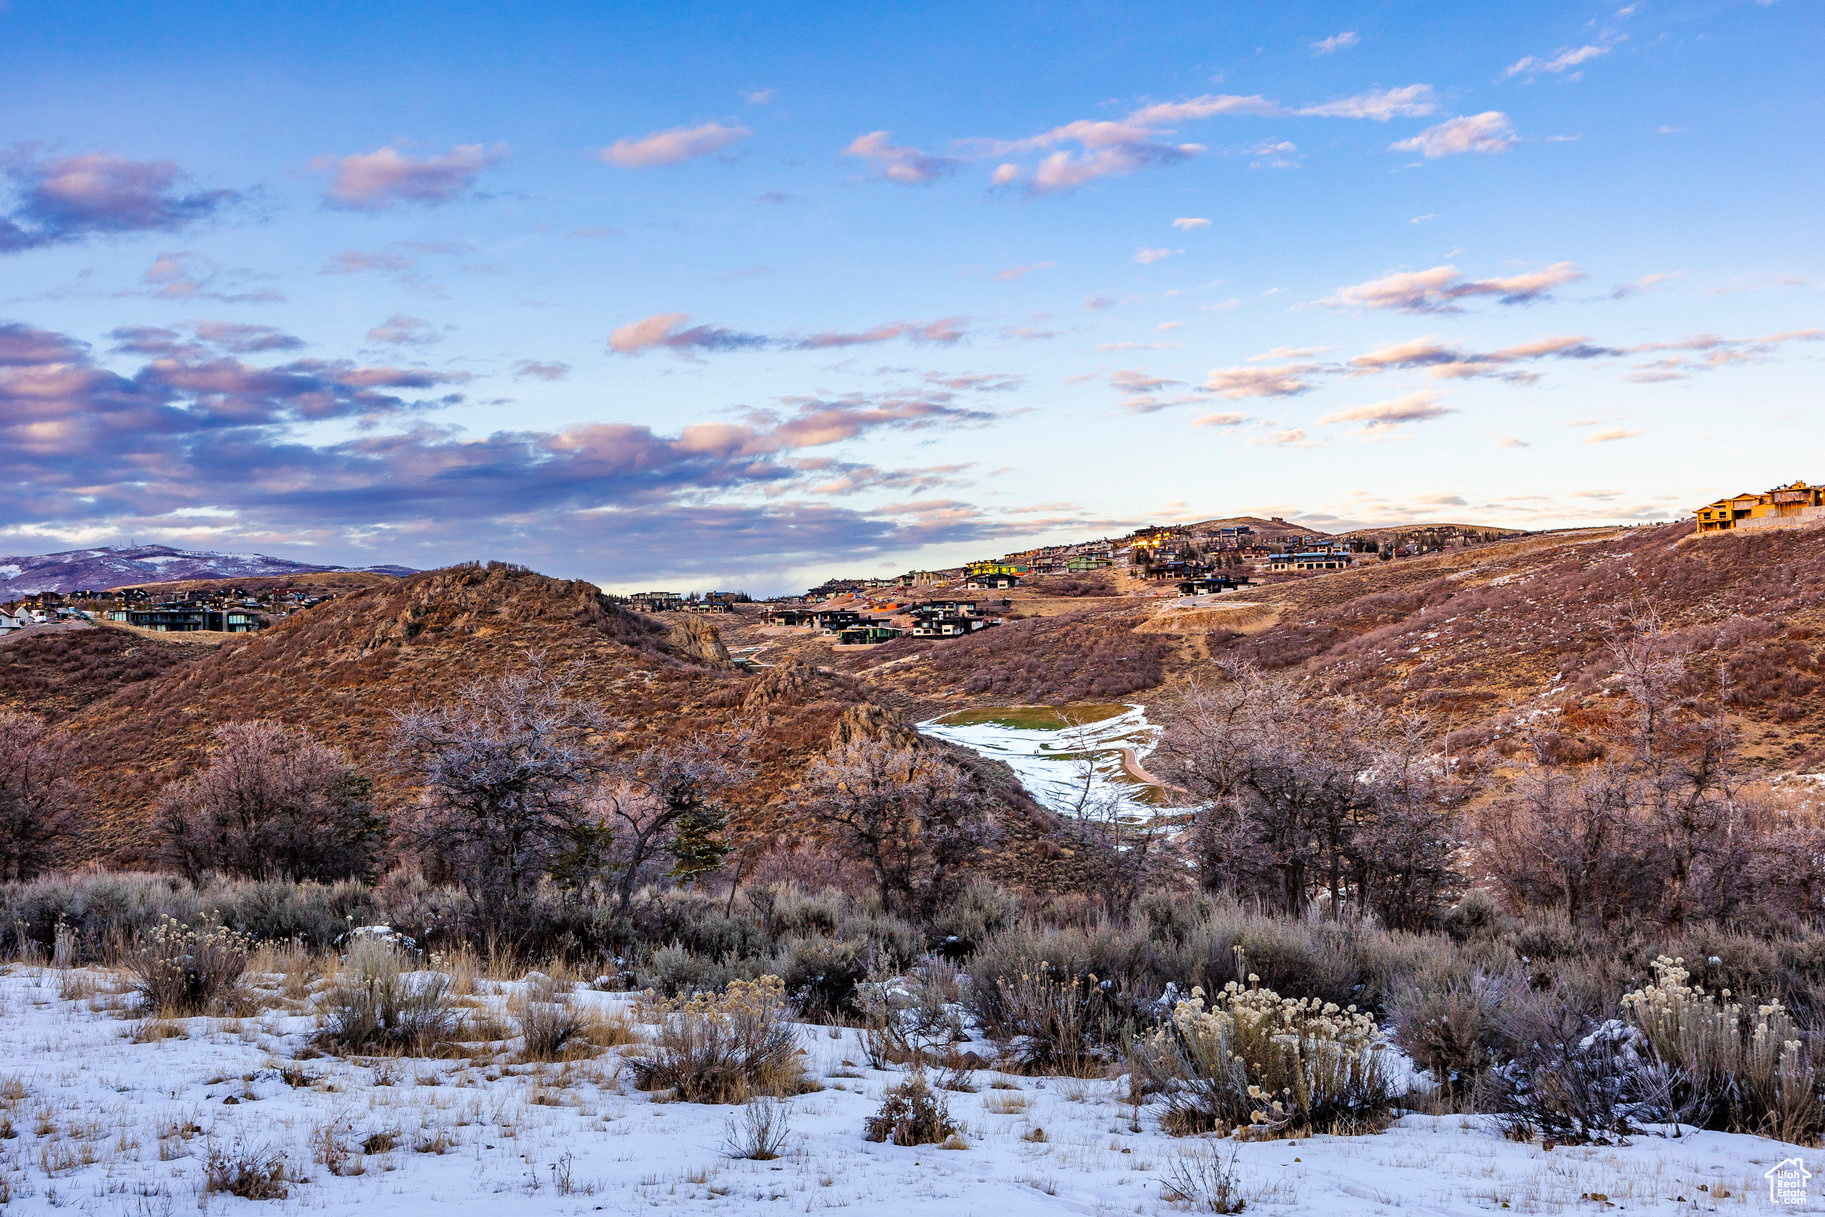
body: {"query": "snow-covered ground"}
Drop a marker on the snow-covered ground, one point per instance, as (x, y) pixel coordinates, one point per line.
(1048, 759)
(101, 1123)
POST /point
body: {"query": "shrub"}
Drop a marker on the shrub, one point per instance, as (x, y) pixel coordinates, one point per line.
(1730, 1066)
(1569, 1081)
(37, 798)
(272, 803)
(724, 1049)
(1450, 1028)
(1048, 1023)
(912, 1113)
(821, 974)
(1258, 1061)
(1205, 1180)
(379, 1003)
(179, 972)
(246, 1172)
(547, 1019)
(760, 1133)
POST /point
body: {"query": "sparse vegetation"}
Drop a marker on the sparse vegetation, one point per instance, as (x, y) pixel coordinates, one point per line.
(380, 1002)
(912, 1113)
(724, 1048)
(178, 972)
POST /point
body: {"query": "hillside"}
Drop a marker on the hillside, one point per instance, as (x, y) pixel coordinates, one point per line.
(1463, 636)
(144, 708)
(114, 566)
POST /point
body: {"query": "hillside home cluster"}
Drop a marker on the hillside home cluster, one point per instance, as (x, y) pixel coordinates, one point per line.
(1791, 506)
(233, 610)
(874, 621)
(674, 602)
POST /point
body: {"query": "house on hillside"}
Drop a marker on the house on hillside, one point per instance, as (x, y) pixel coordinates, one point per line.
(1311, 560)
(1792, 506)
(194, 616)
(1205, 584)
(866, 635)
(655, 602)
(9, 623)
(996, 581)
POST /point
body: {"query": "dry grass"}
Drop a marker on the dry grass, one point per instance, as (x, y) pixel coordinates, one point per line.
(724, 1049)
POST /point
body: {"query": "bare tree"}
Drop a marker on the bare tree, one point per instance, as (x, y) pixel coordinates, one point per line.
(1407, 852)
(1112, 839)
(272, 803)
(38, 799)
(1304, 793)
(910, 816)
(665, 804)
(505, 776)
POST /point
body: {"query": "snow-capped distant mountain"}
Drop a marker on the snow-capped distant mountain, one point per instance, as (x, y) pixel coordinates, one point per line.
(123, 565)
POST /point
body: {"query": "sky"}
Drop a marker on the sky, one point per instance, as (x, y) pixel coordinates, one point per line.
(719, 295)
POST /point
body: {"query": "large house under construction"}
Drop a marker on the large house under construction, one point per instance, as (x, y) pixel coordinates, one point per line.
(1783, 507)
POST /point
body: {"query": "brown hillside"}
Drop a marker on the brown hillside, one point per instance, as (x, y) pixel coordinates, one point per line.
(332, 581)
(1464, 636)
(145, 710)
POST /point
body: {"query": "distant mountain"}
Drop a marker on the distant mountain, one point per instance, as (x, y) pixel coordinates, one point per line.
(127, 565)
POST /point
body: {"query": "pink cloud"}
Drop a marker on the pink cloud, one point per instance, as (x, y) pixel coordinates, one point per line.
(1437, 289)
(671, 147)
(900, 163)
(1489, 131)
(375, 181)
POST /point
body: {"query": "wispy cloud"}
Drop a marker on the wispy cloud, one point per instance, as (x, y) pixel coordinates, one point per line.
(671, 331)
(1646, 283)
(1417, 407)
(403, 330)
(1489, 131)
(1284, 380)
(1439, 288)
(1187, 223)
(1292, 437)
(377, 180)
(1020, 272)
(1336, 42)
(180, 275)
(1560, 61)
(63, 200)
(672, 146)
(532, 369)
(1610, 435)
(1147, 256)
(900, 163)
(1380, 105)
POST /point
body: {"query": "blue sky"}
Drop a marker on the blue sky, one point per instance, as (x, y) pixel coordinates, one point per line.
(734, 294)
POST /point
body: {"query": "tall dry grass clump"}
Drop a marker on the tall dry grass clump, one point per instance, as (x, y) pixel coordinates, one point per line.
(549, 1022)
(724, 1048)
(1256, 1061)
(1047, 1023)
(179, 972)
(1725, 1063)
(381, 1003)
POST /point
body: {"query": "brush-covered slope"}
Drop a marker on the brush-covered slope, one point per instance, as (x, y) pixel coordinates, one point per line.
(344, 668)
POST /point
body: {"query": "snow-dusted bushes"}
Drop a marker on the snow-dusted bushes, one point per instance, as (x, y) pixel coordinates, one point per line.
(1728, 1063)
(546, 1017)
(912, 1113)
(179, 972)
(381, 1003)
(724, 1048)
(1254, 1060)
(1451, 1026)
